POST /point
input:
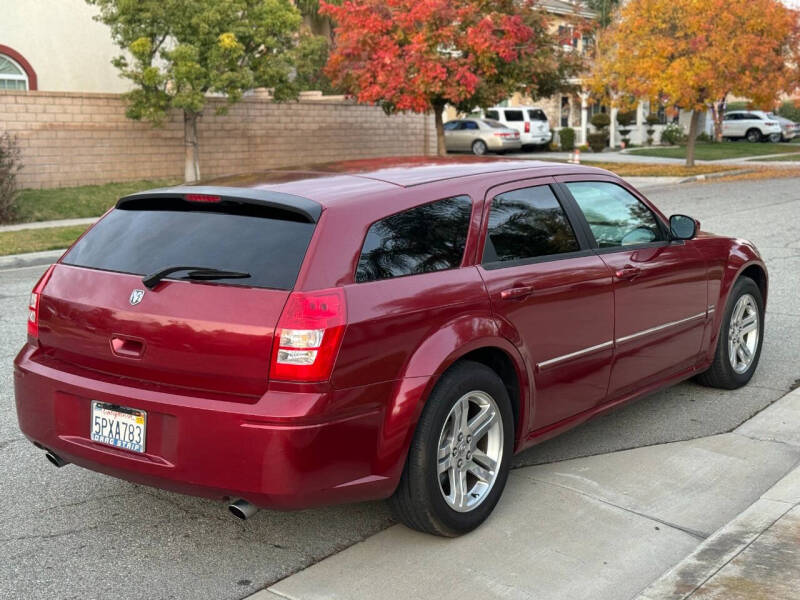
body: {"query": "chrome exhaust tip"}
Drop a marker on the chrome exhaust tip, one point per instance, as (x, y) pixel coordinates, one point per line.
(242, 509)
(55, 459)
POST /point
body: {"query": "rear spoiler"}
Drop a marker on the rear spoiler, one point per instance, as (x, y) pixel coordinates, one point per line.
(298, 205)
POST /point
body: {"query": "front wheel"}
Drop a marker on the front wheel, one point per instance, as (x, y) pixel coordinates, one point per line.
(740, 338)
(459, 459)
(775, 137)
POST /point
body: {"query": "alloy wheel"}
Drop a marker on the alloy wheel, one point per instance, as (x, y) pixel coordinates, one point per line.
(743, 332)
(470, 451)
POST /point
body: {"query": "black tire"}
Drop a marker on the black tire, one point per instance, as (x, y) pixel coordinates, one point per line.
(479, 148)
(753, 136)
(419, 501)
(721, 373)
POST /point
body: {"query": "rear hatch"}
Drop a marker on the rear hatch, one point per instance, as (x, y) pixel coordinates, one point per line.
(212, 334)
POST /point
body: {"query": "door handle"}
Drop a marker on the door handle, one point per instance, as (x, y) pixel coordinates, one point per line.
(517, 293)
(628, 272)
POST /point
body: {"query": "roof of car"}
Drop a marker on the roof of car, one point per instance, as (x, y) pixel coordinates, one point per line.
(330, 183)
(396, 171)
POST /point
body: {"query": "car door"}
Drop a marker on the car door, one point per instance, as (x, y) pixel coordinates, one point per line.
(730, 125)
(660, 286)
(453, 135)
(551, 295)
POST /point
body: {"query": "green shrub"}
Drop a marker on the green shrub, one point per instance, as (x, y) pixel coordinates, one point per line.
(673, 135)
(10, 165)
(790, 109)
(597, 141)
(652, 119)
(742, 105)
(627, 118)
(704, 137)
(567, 137)
(600, 121)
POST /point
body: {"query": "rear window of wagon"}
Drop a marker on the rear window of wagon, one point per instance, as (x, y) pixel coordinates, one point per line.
(141, 239)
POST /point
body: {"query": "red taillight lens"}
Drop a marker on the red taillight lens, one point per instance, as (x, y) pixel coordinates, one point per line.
(33, 304)
(202, 198)
(527, 126)
(308, 336)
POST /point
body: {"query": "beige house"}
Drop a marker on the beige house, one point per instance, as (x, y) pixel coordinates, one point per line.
(55, 46)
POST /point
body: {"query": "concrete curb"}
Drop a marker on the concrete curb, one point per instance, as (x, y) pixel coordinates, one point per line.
(717, 175)
(30, 259)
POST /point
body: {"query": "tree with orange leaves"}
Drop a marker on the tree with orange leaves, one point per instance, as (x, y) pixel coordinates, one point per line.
(693, 53)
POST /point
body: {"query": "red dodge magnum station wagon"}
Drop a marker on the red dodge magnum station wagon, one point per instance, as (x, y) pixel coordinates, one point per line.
(376, 329)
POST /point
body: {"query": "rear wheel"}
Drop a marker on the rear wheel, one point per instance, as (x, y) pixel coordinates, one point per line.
(479, 147)
(459, 459)
(740, 338)
(753, 135)
(775, 137)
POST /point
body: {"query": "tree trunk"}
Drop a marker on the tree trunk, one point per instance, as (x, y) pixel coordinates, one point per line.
(441, 150)
(693, 124)
(718, 113)
(191, 168)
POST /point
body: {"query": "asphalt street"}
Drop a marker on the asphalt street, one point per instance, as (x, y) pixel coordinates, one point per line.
(71, 533)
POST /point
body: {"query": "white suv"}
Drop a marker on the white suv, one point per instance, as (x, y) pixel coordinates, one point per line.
(530, 121)
(753, 125)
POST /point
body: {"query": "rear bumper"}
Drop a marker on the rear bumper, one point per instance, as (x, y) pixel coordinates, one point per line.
(536, 138)
(288, 450)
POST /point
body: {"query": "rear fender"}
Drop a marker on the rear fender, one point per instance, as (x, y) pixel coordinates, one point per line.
(432, 358)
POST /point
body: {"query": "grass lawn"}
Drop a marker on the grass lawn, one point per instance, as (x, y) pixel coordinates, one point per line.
(656, 170)
(707, 151)
(75, 202)
(36, 240)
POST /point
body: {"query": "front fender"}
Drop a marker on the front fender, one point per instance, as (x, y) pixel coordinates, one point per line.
(737, 256)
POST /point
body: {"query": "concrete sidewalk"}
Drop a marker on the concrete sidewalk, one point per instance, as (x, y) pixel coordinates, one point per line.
(605, 527)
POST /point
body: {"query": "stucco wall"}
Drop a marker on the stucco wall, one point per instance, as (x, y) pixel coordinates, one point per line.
(67, 49)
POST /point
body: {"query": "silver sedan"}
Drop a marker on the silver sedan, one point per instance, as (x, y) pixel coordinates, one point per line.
(480, 136)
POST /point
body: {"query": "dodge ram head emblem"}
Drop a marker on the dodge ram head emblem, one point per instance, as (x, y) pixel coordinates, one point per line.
(136, 297)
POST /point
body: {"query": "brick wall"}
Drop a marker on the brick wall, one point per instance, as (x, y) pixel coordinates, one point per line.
(72, 139)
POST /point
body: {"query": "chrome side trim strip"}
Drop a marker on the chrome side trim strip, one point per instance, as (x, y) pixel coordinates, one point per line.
(621, 340)
(638, 334)
(558, 359)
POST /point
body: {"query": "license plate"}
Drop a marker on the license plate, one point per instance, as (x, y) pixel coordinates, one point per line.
(119, 426)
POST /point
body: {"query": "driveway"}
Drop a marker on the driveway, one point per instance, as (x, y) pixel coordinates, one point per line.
(71, 533)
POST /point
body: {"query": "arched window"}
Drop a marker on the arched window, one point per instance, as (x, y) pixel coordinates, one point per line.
(16, 73)
(12, 75)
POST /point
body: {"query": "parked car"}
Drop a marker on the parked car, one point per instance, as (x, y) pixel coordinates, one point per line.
(379, 329)
(789, 129)
(752, 125)
(530, 121)
(479, 136)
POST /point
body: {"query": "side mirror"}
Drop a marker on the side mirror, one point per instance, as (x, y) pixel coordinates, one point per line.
(682, 227)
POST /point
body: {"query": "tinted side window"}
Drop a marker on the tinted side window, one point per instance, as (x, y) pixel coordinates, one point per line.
(470, 125)
(527, 223)
(537, 114)
(616, 217)
(451, 125)
(514, 115)
(492, 114)
(427, 238)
